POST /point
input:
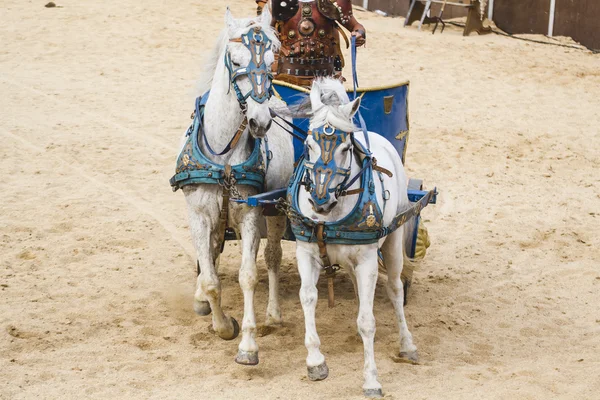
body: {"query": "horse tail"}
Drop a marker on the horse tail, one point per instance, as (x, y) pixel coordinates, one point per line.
(408, 249)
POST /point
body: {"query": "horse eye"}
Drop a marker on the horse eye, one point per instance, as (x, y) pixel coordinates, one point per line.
(236, 64)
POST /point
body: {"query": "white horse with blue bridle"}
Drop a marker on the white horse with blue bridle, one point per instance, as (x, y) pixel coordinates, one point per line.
(251, 156)
(348, 199)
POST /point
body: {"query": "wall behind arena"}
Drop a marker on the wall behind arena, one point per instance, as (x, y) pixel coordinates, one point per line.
(400, 8)
(575, 18)
(580, 20)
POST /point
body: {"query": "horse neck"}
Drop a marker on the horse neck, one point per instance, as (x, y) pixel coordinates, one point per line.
(222, 118)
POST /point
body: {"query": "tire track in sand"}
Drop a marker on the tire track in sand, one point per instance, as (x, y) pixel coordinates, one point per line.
(137, 203)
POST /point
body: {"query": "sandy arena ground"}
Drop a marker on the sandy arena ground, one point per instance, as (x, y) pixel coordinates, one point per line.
(96, 262)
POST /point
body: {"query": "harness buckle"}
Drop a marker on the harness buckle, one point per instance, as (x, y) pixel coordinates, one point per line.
(386, 195)
(332, 269)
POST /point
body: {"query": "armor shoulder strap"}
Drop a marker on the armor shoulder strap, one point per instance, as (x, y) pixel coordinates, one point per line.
(284, 10)
(329, 9)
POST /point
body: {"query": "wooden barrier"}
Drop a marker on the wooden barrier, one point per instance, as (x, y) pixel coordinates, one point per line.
(419, 8)
(400, 8)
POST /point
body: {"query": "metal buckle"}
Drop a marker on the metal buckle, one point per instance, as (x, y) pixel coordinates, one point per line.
(332, 269)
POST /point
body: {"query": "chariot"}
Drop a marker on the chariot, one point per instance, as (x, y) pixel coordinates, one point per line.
(385, 110)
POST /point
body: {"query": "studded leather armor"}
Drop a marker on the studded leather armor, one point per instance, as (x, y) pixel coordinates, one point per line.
(310, 38)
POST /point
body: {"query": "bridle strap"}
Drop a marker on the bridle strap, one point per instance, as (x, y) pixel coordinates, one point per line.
(363, 125)
(296, 132)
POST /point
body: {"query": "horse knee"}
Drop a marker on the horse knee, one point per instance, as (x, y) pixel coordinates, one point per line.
(394, 287)
(248, 279)
(366, 324)
(308, 295)
(273, 254)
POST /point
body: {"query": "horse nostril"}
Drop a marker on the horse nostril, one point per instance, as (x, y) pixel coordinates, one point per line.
(314, 206)
(333, 204)
(253, 124)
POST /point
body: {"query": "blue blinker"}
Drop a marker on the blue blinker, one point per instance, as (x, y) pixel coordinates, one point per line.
(257, 71)
(325, 168)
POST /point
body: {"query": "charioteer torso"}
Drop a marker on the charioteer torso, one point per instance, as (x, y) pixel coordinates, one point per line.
(310, 33)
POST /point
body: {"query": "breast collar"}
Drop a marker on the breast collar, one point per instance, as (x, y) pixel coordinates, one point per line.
(193, 167)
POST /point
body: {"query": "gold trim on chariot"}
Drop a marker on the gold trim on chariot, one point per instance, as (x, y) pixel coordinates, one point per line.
(349, 90)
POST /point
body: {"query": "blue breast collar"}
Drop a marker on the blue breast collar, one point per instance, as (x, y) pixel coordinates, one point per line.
(193, 167)
(363, 225)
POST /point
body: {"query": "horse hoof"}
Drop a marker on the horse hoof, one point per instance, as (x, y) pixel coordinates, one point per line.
(411, 356)
(373, 393)
(236, 330)
(318, 373)
(247, 357)
(202, 308)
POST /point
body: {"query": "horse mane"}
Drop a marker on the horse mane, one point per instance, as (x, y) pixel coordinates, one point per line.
(333, 95)
(217, 54)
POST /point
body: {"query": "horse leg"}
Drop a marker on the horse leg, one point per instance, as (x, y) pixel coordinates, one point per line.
(275, 230)
(393, 254)
(309, 271)
(248, 349)
(201, 304)
(208, 286)
(366, 276)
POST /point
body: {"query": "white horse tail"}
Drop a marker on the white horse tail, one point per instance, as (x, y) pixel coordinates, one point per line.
(410, 264)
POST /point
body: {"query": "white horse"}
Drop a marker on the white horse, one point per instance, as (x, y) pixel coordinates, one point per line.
(327, 200)
(222, 117)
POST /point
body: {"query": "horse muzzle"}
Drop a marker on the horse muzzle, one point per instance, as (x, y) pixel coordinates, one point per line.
(322, 209)
(257, 129)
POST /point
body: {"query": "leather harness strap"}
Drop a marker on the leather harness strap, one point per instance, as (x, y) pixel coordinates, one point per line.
(240, 131)
(381, 169)
(330, 270)
(353, 191)
(224, 214)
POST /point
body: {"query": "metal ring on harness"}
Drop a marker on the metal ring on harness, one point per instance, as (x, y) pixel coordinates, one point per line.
(328, 130)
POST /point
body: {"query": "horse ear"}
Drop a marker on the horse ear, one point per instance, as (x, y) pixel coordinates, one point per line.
(351, 108)
(315, 96)
(229, 20)
(266, 17)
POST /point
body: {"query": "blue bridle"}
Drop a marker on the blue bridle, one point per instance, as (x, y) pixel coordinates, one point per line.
(257, 70)
(325, 168)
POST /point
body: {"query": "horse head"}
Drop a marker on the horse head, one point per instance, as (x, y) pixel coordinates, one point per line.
(248, 58)
(328, 149)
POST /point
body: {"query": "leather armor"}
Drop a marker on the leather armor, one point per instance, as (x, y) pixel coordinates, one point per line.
(310, 41)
